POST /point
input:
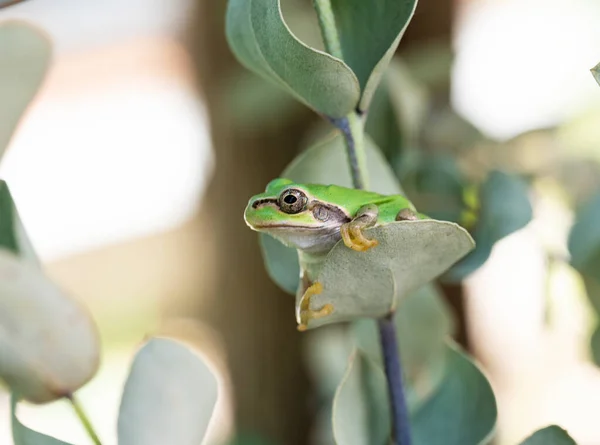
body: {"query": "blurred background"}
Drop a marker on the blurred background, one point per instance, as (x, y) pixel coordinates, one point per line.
(132, 168)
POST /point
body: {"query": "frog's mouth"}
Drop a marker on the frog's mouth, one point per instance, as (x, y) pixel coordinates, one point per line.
(287, 227)
(264, 201)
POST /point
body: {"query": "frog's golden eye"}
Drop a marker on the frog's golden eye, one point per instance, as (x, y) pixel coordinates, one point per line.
(292, 201)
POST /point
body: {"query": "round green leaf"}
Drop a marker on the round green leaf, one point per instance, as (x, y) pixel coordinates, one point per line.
(584, 239)
(323, 163)
(505, 208)
(12, 232)
(370, 284)
(423, 322)
(281, 263)
(463, 409)
(327, 163)
(48, 343)
(435, 185)
(26, 436)
(168, 398)
(370, 33)
(25, 53)
(361, 407)
(551, 435)
(262, 41)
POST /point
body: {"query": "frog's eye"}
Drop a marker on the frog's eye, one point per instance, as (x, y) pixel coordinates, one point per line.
(292, 201)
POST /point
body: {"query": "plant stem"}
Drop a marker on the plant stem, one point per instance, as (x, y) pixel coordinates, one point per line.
(352, 127)
(329, 30)
(393, 372)
(85, 421)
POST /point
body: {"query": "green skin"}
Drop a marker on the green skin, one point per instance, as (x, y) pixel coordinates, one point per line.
(314, 227)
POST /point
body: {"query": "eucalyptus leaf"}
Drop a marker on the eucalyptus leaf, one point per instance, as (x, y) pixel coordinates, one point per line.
(505, 208)
(410, 100)
(584, 239)
(551, 435)
(12, 232)
(382, 124)
(423, 322)
(435, 185)
(25, 53)
(370, 33)
(281, 262)
(168, 398)
(323, 163)
(361, 413)
(49, 345)
(262, 41)
(26, 436)
(462, 411)
(596, 73)
(370, 284)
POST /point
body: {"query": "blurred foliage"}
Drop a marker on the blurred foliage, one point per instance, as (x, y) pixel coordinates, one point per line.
(49, 345)
(452, 172)
(552, 435)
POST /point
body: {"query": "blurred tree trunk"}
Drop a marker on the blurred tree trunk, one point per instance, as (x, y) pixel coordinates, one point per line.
(254, 318)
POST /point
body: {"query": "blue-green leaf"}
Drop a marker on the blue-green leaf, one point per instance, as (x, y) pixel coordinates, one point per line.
(551, 435)
(361, 407)
(49, 345)
(505, 208)
(168, 398)
(26, 436)
(596, 73)
(24, 57)
(370, 33)
(262, 41)
(584, 239)
(371, 284)
(462, 411)
(12, 232)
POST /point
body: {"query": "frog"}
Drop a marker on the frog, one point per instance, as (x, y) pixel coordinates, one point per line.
(313, 218)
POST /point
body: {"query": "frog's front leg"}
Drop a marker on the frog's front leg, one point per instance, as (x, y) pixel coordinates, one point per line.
(352, 232)
(306, 314)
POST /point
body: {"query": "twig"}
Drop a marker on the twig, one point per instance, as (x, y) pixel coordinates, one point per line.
(393, 372)
(85, 421)
(352, 127)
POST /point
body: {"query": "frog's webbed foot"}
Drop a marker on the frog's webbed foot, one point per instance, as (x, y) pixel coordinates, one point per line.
(407, 215)
(352, 232)
(306, 313)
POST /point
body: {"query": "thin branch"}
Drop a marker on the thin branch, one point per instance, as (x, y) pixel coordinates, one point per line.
(352, 127)
(393, 372)
(328, 27)
(84, 419)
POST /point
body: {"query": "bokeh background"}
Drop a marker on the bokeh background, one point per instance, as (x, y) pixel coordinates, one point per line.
(133, 165)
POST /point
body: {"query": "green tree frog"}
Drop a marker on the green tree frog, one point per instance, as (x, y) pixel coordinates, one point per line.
(312, 218)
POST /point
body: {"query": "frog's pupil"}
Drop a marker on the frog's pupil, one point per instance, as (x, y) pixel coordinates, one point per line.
(290, 199)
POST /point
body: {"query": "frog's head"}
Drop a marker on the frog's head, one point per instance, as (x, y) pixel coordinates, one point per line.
(302, 216)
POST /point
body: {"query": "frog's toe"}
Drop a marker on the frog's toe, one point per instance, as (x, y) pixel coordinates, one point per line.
(407, 215)
(306, 313)
(354, 238)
